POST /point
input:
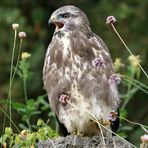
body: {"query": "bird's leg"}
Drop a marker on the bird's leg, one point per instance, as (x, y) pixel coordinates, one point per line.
(78, 132)
(73, 133)
(63, 98)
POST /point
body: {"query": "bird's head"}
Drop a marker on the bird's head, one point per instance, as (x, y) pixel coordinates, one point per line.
(68, 17)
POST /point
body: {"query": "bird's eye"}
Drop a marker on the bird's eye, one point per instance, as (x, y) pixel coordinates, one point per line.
(66, 15)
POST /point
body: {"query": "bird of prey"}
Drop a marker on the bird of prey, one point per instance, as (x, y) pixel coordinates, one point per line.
(78, 75)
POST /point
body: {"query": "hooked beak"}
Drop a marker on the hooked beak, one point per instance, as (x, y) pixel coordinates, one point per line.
(49, 22)
(53, 20)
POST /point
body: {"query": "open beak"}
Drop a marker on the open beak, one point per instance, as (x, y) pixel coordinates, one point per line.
(53, 20)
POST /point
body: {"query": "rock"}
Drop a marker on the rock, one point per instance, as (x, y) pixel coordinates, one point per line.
(74, 141)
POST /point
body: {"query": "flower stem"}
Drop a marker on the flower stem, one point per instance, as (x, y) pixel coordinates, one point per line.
(25, 89)
(18, 58)
(9, 119)
(135, 81)
(9, 97)
(144, 127)
(112, 25)
(10, 80)
(29, 125)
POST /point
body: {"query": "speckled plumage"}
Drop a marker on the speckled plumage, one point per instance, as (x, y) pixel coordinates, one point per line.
(71, 67)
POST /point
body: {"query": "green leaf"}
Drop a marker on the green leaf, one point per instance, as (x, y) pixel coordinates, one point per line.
(18, 105)
(123, 113)
(22, 126)
(126, 128)
(35, 112)
(123, 134)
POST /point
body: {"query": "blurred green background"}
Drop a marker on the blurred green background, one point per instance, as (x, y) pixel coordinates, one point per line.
(33, 15)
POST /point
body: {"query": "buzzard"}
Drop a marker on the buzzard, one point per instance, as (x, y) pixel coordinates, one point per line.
(78, 75)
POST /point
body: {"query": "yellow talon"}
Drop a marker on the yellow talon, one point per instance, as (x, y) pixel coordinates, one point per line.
(78, 132)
